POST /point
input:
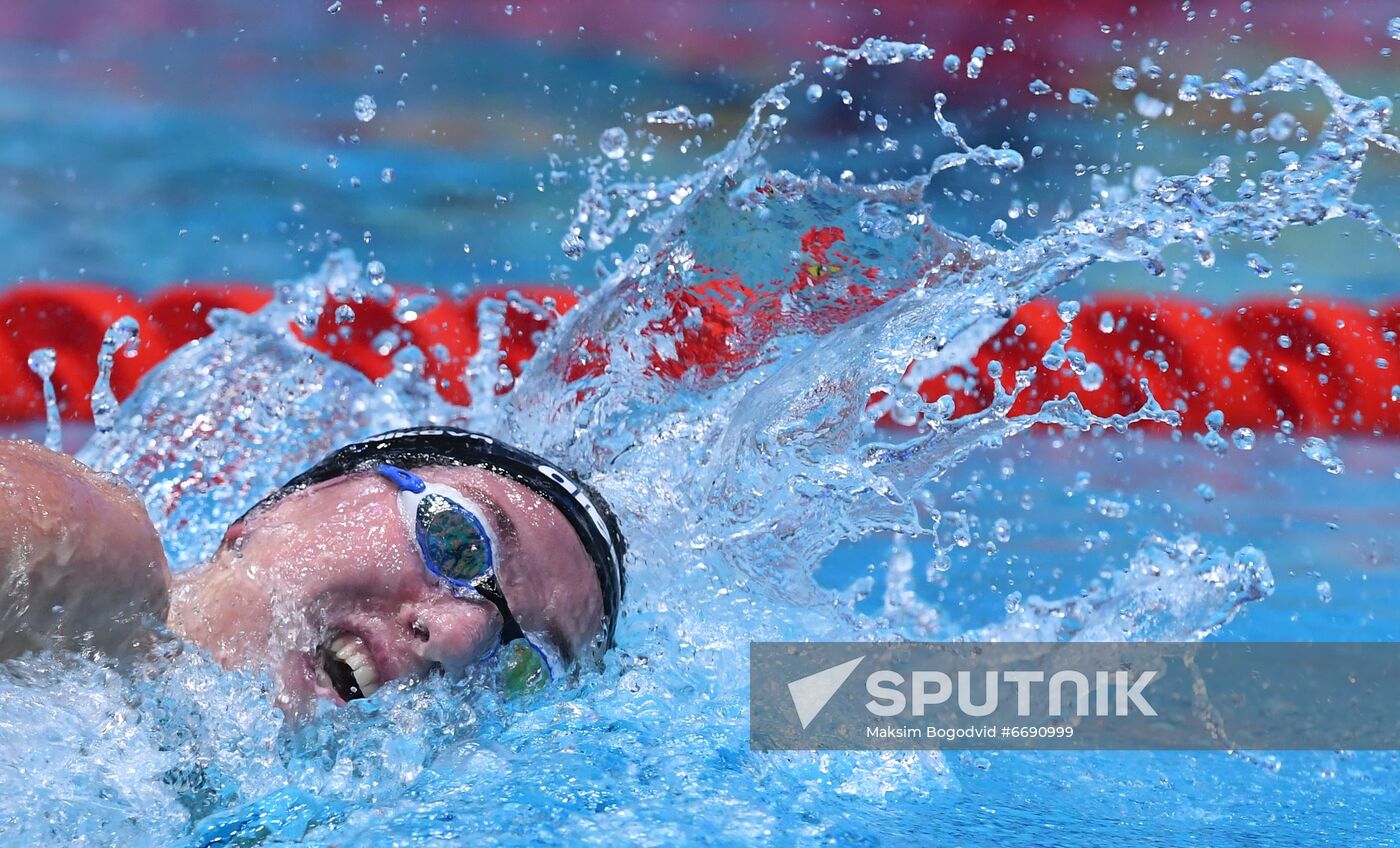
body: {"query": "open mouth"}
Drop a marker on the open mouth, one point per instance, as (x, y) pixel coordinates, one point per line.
(344, 665)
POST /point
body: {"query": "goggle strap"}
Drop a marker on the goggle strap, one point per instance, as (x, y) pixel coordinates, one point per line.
(489, 588)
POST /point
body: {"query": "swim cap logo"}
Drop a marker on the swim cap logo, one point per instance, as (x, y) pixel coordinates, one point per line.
(812, 693)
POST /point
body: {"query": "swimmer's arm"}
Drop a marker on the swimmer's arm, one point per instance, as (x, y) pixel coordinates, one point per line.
(81, 564)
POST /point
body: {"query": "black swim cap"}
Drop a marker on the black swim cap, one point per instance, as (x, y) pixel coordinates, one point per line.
(415, 447)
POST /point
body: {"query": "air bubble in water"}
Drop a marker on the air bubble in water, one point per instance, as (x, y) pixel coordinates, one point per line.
(1013, 603)
(1068, 310)
(344, 314)
(386, 176)
(814, 92)
(1106, 322)
(376, 272)
(951, 63)
(335, 7)
(613, 142)
(1324, 591)
(1393, 28)
(1239, 358)
(1039, 86)
(1125, 78)
(365, 108)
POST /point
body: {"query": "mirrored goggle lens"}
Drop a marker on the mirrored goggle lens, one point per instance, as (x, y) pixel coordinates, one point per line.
(522, 668)
(453, 542)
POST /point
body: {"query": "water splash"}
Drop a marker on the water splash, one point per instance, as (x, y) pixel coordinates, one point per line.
(124, 334)
(733, 476)
(227, 418)
(42, 362)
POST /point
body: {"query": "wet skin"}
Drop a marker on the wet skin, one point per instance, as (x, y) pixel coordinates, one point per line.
(335, 565)
(82, 565)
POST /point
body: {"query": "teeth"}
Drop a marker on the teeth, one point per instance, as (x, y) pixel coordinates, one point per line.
(354, 654)
(367, 680)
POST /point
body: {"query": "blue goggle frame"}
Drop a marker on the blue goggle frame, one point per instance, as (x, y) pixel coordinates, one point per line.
(458, 548)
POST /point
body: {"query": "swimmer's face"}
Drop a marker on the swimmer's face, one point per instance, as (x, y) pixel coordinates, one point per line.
(330, 578)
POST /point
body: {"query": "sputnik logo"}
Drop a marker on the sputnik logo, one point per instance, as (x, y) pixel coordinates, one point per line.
(812, 693)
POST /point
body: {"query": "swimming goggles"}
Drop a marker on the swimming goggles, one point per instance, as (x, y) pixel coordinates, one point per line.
(458, 548)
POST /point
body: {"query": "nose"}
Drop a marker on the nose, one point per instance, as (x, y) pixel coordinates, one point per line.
(453, 632)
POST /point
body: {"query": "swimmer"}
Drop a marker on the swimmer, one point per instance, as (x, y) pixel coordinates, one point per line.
(417, 551)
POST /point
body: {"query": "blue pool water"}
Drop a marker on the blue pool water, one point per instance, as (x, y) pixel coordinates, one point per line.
(761, 503)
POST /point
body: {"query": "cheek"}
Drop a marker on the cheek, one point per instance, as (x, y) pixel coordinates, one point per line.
(553, 589)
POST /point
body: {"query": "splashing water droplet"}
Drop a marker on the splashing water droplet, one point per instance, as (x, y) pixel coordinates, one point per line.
(1092, 378)
(1039, 86)
(1239, 358)
(1083, 97)
(42, 362)
(344, 314)
(1393, 28)
(1319, 451)
(1259, 265)
(376, 271)
(572, 245)
(835, 66)
(1243, 438)
(1068, 310)
(365, 108)
(951, 63)
(1282, 125)
(1148, 106)
(974, 63)
(123, 332)
(814, 92)
(613, 142)
(1125, 78)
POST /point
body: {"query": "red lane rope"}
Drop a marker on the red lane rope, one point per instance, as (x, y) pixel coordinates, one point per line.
(1326, 366)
